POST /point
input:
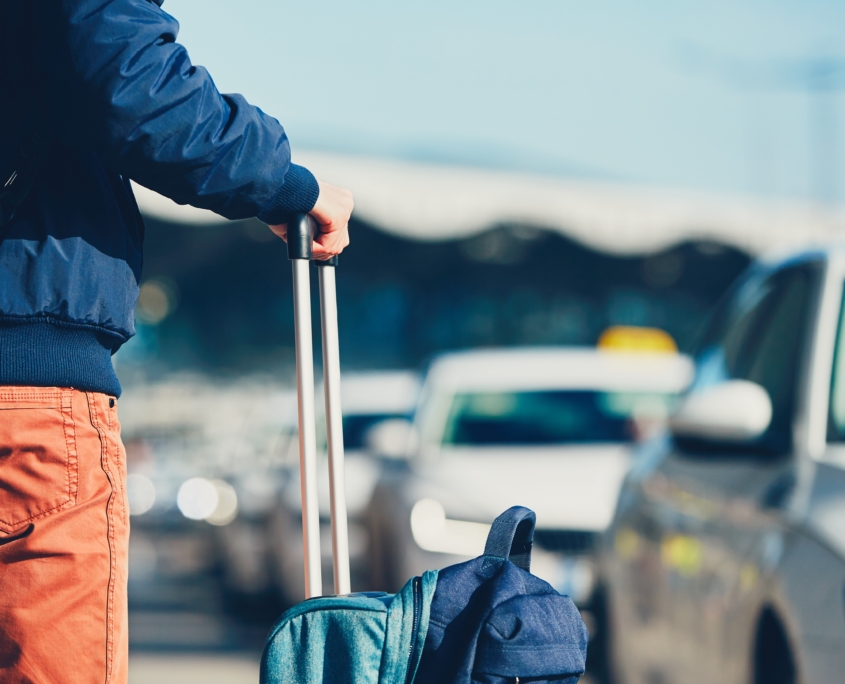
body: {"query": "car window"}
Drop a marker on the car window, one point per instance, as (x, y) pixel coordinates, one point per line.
(759, 337)
(547, 417)
(836, 411)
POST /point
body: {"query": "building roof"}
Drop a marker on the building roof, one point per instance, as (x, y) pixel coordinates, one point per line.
(423, 201)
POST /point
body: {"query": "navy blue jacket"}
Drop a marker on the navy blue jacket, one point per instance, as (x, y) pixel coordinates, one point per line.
(119, 99)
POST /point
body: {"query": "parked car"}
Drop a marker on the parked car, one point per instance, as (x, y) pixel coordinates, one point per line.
(206, 460)
(547, 428)
(367, 399)
(725, 560)
(256, 476)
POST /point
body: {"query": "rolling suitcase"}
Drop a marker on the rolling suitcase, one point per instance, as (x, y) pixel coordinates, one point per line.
(486, 621)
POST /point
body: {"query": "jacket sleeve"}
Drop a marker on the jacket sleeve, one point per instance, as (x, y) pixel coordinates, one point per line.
(121, 85)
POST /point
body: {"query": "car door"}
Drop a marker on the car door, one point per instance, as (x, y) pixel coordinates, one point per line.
(706, 508)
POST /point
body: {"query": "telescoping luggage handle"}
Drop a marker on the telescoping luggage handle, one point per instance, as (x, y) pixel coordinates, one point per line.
(301, 231)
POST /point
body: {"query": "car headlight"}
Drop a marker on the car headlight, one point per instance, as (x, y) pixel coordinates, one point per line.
(433, 531)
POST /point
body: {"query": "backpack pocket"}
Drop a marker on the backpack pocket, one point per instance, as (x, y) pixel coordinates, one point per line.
(537, 638)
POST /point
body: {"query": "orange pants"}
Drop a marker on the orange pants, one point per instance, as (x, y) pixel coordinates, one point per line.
(64, 533)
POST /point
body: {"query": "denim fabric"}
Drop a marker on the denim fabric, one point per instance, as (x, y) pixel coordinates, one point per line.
(355, 639)
(511, 537)
(492, 621)
(531, 637)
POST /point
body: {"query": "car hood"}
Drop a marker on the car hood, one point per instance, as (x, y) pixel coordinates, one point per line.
(568, 487)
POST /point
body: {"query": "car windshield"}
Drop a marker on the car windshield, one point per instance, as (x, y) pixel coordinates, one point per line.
(548, 417)
(356, 425)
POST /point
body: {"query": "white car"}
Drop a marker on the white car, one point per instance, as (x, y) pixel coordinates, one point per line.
(367, 399)
(546, 428)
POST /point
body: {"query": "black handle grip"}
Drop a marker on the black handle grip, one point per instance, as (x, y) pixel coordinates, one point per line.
(325, 262)
(301, 231)
(512, 536)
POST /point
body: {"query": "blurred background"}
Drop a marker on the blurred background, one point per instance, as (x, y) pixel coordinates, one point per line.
(533, 183)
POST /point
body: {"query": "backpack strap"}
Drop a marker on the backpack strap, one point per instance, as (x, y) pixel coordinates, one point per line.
(512, 536)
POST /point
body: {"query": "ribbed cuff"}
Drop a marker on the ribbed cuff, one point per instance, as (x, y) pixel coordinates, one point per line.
(298, 195)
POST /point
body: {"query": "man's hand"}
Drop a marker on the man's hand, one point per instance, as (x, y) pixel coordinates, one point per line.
(332, 212)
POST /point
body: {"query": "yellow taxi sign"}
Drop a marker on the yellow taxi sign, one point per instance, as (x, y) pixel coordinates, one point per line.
(629, 338)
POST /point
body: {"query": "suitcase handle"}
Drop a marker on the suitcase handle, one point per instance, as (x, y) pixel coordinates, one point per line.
(301, 231)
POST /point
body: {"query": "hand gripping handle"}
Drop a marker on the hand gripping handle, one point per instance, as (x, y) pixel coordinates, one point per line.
(512, 536)
(301, 231)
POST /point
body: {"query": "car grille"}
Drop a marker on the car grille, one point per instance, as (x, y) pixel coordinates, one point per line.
(565, 541)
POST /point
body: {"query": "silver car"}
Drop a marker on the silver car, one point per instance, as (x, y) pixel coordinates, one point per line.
(725, 560)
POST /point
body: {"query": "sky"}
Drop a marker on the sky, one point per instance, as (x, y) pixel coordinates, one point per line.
(718, 95)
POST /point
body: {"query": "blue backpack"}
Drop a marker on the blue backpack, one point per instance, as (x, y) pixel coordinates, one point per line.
(486, 621)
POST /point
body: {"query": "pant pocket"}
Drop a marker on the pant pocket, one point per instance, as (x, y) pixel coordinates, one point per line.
(38, 460)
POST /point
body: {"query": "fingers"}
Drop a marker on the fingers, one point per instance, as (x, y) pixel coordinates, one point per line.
(332, 211)
(281, 230)
(329, 244)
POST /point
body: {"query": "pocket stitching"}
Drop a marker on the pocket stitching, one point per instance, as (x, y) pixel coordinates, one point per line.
(13, 525)
(70, 442)
(72, 467)
(27, 395)
(111, 413)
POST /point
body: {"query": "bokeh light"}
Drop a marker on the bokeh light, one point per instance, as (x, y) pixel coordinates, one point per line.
(141, 493)
(197, 498)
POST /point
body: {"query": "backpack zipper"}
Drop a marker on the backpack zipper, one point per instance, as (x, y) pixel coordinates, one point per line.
(415, 628)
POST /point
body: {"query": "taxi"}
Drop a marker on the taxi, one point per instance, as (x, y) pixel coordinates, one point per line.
(549, 428)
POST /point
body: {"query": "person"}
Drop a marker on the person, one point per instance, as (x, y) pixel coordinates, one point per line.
(93, 94)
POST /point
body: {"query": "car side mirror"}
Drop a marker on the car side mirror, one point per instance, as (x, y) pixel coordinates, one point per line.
(733, 411)
(393, 439)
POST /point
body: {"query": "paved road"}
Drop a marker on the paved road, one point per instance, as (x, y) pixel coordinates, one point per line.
(200, 669)
(179, 629)
(193, 669)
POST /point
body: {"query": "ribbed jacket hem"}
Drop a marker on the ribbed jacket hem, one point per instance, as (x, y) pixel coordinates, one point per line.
(298, 195)
(40, 354)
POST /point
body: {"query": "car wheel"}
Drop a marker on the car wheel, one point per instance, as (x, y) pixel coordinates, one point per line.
(773, 659)
(598, 652)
